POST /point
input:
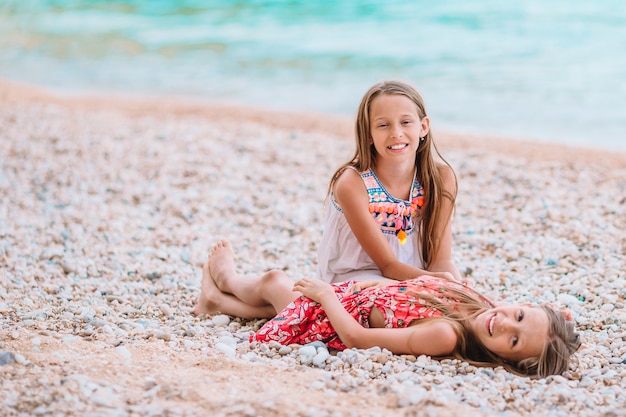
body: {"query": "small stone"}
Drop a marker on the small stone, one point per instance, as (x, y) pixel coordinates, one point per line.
(586, 382)
(69, 267)
(123, 351)
(317, 345)
(152, 276)
(49, 254)
(381, 358)
(317, 385)
(433, 368)
(228, 340)
(149, 383)
(226, 349)
(220, 320)
(320, 359)
(285, 350)
(116, 342)
(20, 359)
(7, 358)
(306, 354)
(250, 357)
(190, 344)
(166, 310)
(308, 351)
(567, 299)
(161, 335)
(105, 397)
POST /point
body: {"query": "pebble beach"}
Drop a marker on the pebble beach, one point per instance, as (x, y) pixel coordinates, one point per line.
(110, 205)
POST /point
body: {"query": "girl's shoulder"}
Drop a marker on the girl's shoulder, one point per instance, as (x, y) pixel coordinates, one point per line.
(448, 178)
(350, 175)
(445, 170)
(348, 185)
(352, 171)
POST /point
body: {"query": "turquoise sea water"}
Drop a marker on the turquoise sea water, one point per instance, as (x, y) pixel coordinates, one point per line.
(544, 69)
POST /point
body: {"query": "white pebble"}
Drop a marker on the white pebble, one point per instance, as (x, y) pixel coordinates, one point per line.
(228, 340)
(567, 299)
(320, 359)
(220, 320)
(166, 309)
(307, 351)
(285, 350)
(123, 351)
(226, 349)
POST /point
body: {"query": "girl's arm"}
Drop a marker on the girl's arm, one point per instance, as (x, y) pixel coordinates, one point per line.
(351, 195)
(436, 337)
(377, 283)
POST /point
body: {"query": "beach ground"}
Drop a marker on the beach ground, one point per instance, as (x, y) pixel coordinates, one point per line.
(108, 209)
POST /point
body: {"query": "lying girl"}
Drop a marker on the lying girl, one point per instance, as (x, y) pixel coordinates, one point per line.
(428, 315)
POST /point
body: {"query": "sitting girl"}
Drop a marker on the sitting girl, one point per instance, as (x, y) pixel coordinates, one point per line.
(390, 206)
(428, 315)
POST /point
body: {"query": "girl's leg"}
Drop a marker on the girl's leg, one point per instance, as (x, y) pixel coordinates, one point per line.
(213, 301)
(273, 288)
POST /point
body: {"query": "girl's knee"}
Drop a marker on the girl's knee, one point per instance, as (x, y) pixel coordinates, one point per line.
(275, 276)
(275, 281)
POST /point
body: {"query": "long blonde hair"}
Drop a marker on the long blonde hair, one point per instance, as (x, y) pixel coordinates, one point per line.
(563, 341)
(428, 173)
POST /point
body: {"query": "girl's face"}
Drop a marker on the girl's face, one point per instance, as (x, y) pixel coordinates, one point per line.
(395, 126)
(513, 332)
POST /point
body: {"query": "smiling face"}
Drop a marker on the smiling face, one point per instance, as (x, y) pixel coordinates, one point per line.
(395, 125)
(513, 332)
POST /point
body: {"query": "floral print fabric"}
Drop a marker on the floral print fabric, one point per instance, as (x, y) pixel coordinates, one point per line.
(304, 321)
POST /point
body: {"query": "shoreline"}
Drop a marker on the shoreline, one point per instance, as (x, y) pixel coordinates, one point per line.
(299, 121)
(110, 205)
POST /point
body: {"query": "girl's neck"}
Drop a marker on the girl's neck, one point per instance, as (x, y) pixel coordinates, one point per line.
(396, 178)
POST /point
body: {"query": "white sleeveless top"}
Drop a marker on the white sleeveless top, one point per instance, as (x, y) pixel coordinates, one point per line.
(342, 258)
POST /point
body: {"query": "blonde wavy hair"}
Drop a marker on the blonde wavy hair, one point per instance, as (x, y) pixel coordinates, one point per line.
(563, 341)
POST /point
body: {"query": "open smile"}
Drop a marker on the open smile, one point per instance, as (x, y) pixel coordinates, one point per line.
(490, 324)
(398, 146)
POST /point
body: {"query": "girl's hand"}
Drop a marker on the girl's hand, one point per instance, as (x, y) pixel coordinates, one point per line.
(450, 277)
(444, 275)
(447, 275)
(315, 289)
(361, 285)
(468, 281)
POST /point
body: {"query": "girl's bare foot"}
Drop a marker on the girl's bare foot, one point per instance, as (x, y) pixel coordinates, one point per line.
(212, 300)
(222, 265)
(208, 300)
